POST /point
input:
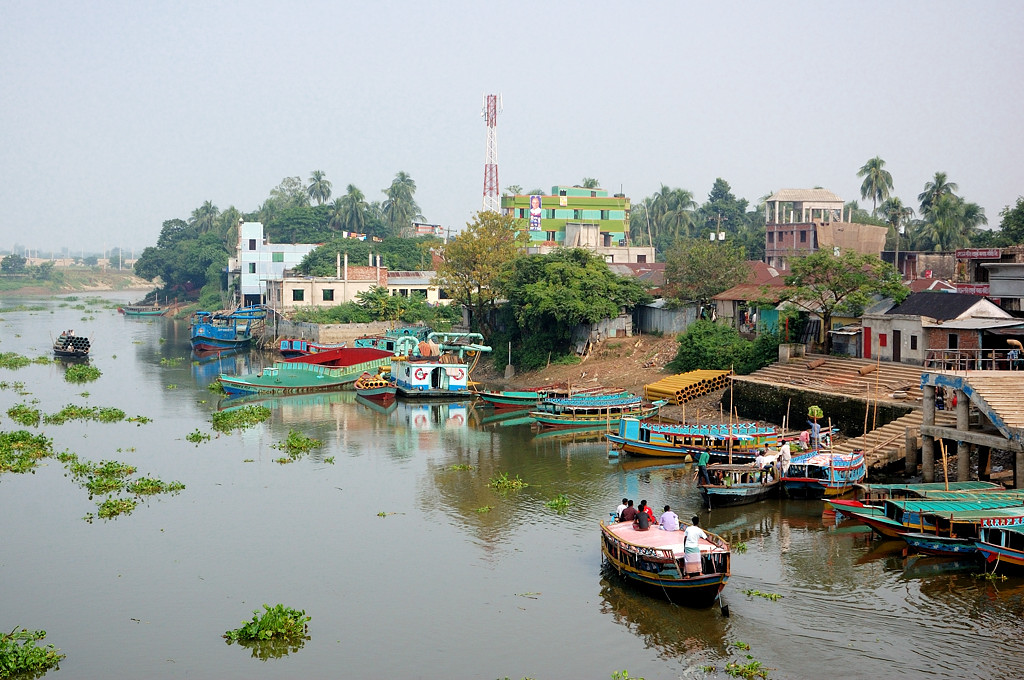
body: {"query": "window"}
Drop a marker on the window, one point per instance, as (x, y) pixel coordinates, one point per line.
(803, 236)
(328, 295)
(298, 295)
(522, 212)
(278, 257)
(252, 267)
(913, 342)
(550, 236)
(641, 258)
(954, 341)
(883, 340)
(577, 214)
(252, 244)
(604, 214)
(442, 294)
(771, 237)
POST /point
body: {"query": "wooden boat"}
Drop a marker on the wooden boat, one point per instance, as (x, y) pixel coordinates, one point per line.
(676, 441)
(821, 474)
(592, 412)
(874, 493)
(209, 332)
(738, 485)
(297, 347)
(142, 310)
(654, 560)
(375, 387)
(523, 399)
(955, 534)
(332, 370)
(71, 346)
(431, 377)
(1002, 546)
(895, 518)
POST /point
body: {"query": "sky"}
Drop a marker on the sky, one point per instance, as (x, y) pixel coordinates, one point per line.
(118, 115)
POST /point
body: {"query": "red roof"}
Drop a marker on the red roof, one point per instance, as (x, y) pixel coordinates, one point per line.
(938, 285)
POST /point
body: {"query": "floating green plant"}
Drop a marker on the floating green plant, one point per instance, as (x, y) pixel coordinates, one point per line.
(21, 450)
(297, 444)
(170, 361)
(103, 485)
(505, 483)
(19, 653)
(112, 507)
(329, 460)
(106, 414)
(24, 415)
(739, 548)
(13, 360)
(750, 670)
(247, 416)
(17, 385)
(147, 486)
(460, 466)
(140, 420)
(80, 373)
(623, 675)
(275, 622)
(741, 645)
(197, 437)
(484, 508)
(757, 593)
(216, 387)
(559, 503)
(172, 386)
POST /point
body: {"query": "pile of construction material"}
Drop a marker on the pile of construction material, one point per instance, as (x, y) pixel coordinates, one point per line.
(682, 387)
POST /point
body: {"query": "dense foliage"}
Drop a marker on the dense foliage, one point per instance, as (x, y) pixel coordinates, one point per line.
(19, 653)
(696, 269)
(549, 295)
(274, 622)
(713, 346)
(377, 304)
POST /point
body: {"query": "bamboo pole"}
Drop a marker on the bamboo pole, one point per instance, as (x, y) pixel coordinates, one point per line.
(878, 369)
(867, 404)
(945, 464)
(731, 382)
(785, 423)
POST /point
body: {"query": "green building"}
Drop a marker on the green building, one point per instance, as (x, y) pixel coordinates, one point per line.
(577, 217)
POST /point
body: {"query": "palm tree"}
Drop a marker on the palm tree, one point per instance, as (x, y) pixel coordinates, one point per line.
(896, 215)
(400, 208)
(672, 212)
(204, 217)
(877, 182)
(354, 209)
(336, 214)
(933, 190)
(319, 188)
(514, 190)
(590, 183)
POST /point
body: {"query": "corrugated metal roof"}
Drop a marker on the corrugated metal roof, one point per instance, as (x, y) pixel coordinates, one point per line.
(805, 196)
(975, 324)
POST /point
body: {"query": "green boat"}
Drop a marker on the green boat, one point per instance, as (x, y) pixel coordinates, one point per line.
(331, 370)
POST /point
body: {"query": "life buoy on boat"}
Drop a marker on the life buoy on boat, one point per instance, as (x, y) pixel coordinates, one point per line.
(456, 374)
(420, 374)
(420, 420)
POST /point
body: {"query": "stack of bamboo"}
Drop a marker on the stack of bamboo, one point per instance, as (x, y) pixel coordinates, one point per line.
(681, 388)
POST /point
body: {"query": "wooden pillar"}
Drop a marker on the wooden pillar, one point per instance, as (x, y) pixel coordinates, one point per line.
(985, 463)
(910, 446)
(963, 449)
(928, 442)
(1018, 467)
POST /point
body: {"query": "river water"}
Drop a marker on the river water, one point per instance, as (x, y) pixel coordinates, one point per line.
(410, 568)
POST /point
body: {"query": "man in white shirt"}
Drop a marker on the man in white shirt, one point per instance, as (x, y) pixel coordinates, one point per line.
(691, 546)
(669, 520)
(784, 458)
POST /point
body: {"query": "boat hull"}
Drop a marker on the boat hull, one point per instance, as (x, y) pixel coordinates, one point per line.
(942, 546)
(723, 497)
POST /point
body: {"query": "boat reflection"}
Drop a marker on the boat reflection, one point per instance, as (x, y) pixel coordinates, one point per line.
(207, 366)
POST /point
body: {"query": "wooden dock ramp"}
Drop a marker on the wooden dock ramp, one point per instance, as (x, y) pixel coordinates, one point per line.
(887, 445)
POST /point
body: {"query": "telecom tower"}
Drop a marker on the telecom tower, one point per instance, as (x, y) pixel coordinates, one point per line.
(492, 107)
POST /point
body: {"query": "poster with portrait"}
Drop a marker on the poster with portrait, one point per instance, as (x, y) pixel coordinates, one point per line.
(535, 212)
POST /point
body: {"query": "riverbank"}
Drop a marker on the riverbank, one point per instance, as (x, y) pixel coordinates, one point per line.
(77, 280)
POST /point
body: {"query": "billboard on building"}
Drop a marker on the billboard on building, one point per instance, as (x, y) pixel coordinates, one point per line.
(535, 212)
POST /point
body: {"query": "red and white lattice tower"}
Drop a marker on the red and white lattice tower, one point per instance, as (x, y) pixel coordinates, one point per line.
(492, 107)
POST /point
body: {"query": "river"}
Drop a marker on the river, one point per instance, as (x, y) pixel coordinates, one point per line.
(408, 567)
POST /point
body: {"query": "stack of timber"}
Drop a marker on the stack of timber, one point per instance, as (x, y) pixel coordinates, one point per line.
(887, 444)
(863, 378)
(681, 388)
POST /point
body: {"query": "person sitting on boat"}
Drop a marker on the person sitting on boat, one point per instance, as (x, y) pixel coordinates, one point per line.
(622, 506)
(650, 513)
(642, 521)
(669, 520)
(629, 514)
(702, 466)
(759, 460)
(691, 546)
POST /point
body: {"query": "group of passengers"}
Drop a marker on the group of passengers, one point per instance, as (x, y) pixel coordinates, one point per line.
(643, 517)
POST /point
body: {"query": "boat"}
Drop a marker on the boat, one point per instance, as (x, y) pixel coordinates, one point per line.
(71, 346)
(895, 518)
(593, 411)
(875, 493)
(375, 387)
(680, 440)
(332, 370)
(654, 560)
(738, 485)
(524, 399)
(142, 310)
(822, 474)
(297, 347)
(211, 332)
(1002, 546)
(430, 377)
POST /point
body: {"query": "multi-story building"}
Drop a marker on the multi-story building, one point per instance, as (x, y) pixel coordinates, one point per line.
(799, 222)
(256, 261)
(577, 217)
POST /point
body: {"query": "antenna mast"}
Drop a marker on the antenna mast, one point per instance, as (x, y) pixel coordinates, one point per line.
(492, 107)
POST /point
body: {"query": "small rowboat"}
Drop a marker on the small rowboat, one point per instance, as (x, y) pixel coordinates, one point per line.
(654, 560)
(738, 485)
(375, 388)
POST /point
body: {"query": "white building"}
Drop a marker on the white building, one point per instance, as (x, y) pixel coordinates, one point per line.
(258, 262)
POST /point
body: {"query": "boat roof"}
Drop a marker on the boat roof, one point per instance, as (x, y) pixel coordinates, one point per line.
(596, 400)
(934, 506)
(656, 537)
(820, 458)
(932, 486)
(714, 430)
(1012, 511)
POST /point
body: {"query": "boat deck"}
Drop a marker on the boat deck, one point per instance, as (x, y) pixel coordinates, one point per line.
(658, 538)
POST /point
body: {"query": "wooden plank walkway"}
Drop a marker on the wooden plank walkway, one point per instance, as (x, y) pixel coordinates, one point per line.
(887, 444)
(840, 375)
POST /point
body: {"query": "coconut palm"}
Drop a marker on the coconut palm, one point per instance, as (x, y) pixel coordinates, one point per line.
(590, 183)
(354, 209)
(204, 217)
(896, 215)
(877, 182)
(937, 187)
(400, 208)
(319, 188)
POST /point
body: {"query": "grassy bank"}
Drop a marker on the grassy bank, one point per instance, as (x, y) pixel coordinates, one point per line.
(79, 279)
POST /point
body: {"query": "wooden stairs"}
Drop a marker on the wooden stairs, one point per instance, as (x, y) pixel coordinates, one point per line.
(887, 444)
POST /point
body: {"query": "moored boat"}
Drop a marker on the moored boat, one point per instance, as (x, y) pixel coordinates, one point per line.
(142, 310)
(592, 411)
(1002, 546)
(71, 346)
(297, 347)
(332, 370)
(211, 332)
(437, 377)
(738, 485)
(375, 387)
(523, 399)
(895, 518)
(679, 440)
(654, 560)
(821, 474)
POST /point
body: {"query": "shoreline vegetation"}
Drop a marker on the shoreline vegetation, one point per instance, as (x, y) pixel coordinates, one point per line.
(76, 280)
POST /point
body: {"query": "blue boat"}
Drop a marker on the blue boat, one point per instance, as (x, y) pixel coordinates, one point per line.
(820, 474)
(211, 332)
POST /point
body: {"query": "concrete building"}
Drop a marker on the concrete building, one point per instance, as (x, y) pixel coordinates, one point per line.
(288, 292)
(995, 272)
(257, 262)
(799, 222)
(577, 217)
(410, 283)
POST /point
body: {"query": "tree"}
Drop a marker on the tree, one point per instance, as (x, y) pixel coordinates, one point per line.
(722, 211)
(590, 183)
(204, 217)
(290, 193)
(822, 283)
(707, 345)
(696, 269)
(549, 295)
(13, 264)
(1012, 223)
(933, 190)
(400, 208)
(877, 182)
(514, 190)
(473, 261)
(671, 215)
(319, 188)
(897, 216)
(354, 206)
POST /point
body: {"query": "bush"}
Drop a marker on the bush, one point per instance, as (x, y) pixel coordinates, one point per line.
(710, 346)
(275, 622)
(19, 653)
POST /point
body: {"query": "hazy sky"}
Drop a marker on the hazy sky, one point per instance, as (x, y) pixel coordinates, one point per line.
(116, 116)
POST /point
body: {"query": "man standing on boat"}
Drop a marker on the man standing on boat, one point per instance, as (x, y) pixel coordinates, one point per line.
(691, 546)
(702, 466)
(784, 458)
